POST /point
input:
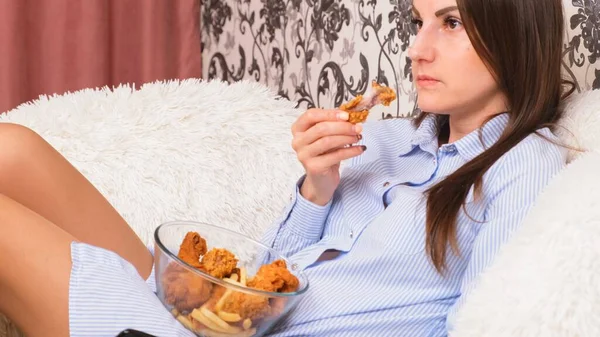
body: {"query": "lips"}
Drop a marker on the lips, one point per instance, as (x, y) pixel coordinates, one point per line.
(425, 80)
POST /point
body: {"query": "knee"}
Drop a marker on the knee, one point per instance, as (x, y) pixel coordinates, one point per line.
(18, 147)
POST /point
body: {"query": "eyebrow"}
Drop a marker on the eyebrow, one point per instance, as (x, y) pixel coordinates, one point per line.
(445, 10)
(439, 12)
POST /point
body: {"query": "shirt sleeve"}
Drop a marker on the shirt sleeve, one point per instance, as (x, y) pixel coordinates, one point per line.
(300, 225)
(516, 185)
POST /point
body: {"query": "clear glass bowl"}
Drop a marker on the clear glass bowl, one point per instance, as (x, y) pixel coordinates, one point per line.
(211, 306)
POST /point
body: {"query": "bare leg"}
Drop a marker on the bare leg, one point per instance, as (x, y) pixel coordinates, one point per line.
(35, 260)
(35, 175)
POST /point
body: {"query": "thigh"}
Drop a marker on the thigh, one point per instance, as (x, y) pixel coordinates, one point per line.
(52, 285)
(34, 277)
(34, 174)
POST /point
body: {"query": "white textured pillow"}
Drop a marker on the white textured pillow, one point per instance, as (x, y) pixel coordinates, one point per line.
(546, 280)
(580, 126)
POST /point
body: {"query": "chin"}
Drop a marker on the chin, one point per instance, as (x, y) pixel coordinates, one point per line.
(432, 104)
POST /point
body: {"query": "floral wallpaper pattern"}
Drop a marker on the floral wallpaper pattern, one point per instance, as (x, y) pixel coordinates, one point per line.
(323, 52)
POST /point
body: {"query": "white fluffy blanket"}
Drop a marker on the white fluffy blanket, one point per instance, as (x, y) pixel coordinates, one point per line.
(219, 153)
(191, 150)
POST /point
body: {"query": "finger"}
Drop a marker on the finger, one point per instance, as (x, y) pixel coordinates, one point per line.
(314, 116)
(320, 163)
(325, 129)
(358, 138)
(326, 145)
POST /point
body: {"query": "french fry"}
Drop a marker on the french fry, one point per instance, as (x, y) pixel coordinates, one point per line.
(247, 324)
(211, 333)
(229, 317)
(233, 277)
(228, 280)
(243, 276)
(185, 321)
(175, 312)
(200, 317)
(217, 320)
(222, 300)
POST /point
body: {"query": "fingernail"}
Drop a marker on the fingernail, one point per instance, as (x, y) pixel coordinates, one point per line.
(363, 147)
(343, 115)
(358, 128)
(359, 136)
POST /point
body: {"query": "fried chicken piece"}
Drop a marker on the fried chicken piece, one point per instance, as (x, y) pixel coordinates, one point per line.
(219, 262)
(247, 306)
(192, 247)
(274, 277)
(183, 289)
(359, 107)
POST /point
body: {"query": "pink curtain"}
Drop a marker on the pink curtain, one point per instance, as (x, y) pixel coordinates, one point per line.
(54, 46)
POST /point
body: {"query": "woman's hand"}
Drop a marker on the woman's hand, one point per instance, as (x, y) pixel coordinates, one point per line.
(321, 139)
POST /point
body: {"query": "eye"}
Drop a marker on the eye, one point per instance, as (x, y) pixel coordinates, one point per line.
(452, 23)
(417, 22)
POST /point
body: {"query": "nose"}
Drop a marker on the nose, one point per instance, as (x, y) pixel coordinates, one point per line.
(422, 47)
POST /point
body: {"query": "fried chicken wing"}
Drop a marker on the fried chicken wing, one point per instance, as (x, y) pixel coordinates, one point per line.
(219, 262)
(183, 289)
(360, 106)
(192, 247)
(274, 277)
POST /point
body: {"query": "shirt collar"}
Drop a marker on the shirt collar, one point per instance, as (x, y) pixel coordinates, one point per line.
(424, 136)
(469, 146)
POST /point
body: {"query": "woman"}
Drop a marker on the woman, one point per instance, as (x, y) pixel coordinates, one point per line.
(391, 247)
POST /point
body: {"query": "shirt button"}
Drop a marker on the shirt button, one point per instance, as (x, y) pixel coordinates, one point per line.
(351, 234)
(386, 184)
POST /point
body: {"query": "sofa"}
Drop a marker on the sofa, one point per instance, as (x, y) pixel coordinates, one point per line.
(220, 153)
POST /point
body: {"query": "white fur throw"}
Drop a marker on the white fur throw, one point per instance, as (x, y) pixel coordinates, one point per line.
(219, 153)
(190, 150)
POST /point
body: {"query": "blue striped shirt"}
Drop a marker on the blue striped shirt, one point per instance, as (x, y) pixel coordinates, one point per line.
(382, 282)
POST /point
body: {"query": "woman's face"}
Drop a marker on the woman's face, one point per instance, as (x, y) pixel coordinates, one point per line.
(450, 77)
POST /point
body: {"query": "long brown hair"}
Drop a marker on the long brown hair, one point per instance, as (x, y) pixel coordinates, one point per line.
(520, 42)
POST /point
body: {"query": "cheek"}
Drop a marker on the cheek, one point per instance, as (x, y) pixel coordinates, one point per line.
(465, 79)
(467, 74)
